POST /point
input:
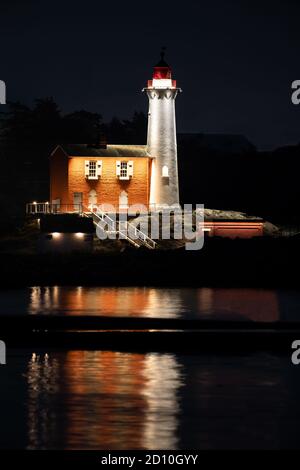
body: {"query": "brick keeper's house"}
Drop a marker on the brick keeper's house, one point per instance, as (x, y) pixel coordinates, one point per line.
(84, 177)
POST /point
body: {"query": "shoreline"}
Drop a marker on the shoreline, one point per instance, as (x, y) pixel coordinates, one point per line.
(257, 263)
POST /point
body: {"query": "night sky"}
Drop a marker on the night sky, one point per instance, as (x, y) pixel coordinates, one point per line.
(234, 60)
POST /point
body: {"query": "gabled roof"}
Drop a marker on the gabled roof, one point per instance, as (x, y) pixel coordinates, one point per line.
(83, 150)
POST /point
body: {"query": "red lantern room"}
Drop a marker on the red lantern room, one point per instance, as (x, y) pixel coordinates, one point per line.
(162, 71)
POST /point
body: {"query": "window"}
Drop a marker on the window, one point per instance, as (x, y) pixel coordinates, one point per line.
(93, 169)
(124, 169)
(165, 171)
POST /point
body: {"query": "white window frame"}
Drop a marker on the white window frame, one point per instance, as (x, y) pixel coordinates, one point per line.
(93, 169)
(165, 171)
(124, 169)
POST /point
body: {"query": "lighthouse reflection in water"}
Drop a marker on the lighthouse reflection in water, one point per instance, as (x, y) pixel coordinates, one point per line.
(109, 400)
(246, 304)
(103, 400)
(74, 399)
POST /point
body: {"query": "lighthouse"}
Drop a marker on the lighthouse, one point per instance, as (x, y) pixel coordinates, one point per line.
(161, 139)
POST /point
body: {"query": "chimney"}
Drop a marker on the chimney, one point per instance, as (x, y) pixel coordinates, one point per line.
(101, 140)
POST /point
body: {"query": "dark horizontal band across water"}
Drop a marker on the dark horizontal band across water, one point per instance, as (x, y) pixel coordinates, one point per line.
(92, 322)
(146, 334)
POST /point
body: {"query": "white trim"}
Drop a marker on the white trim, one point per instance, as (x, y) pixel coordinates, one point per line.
(130, 168)
(118, 168)
(165, 171)
(99, 168)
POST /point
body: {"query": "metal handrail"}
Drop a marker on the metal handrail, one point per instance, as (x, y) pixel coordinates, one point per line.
(46, 208)
(104, 217)
(100, 214)
(35, 208)
(140, 235)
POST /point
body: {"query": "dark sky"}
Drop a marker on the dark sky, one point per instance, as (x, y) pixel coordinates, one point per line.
(235, 60)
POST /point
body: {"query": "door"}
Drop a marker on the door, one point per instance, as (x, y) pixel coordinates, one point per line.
(77, 201)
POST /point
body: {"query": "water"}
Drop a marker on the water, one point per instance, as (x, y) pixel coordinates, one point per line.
(246, 304)
(109, 400)
(52, 399)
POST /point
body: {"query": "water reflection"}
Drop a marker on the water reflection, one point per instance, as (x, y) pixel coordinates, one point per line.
(103, 400)
(161, 370)
(42, 381)
(109, 400)
(106, 301)
(251, 304)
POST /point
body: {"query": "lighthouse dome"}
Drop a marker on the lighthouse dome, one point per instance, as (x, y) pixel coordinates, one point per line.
(162, 70)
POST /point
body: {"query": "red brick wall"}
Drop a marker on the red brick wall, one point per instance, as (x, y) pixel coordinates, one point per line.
(234, 229)
(108, 187)
(59, 176)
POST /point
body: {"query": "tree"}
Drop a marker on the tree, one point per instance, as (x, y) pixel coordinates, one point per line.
(81, 127)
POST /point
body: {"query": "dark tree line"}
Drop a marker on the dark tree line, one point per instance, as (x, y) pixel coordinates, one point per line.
(29, 134)
(222, 172)
(44, 124)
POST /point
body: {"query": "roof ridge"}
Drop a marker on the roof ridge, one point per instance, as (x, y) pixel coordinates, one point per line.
(111, 150)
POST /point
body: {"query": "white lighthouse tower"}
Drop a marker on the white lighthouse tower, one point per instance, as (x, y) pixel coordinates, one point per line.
(161, 140)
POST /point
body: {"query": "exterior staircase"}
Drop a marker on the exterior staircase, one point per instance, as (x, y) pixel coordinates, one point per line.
(123, 230)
